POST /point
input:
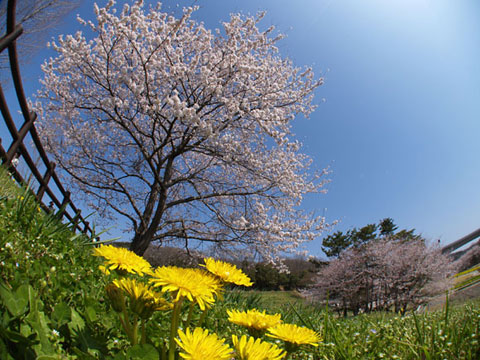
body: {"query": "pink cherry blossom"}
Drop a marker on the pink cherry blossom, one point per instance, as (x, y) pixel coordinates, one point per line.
(183, 132)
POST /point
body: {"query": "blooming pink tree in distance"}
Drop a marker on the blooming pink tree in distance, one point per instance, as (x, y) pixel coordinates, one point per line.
(183, 131)
(385, 274)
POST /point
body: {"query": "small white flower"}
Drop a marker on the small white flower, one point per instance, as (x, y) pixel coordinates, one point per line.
(55, 332)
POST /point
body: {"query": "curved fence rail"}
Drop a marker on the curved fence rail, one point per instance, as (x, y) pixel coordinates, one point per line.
(461, 242)
(48, 186)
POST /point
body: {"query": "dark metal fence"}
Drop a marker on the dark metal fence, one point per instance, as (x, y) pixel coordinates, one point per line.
(49, 184)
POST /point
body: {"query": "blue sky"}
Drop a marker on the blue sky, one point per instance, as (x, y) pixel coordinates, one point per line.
(398, 116)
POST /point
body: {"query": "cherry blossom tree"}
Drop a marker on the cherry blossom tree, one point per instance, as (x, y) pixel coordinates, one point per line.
(387, 273)
(183, 131)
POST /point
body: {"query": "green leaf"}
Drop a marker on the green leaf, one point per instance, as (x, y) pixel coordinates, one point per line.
(61, 314)
(20, 338)
(33, 300)
(15, 303)
(120, 356)
(26, 330)
(84, 337)
(76, 324)
(144, 352)
(90, 314)
(4, 351)
(83, 355)
(38, 321)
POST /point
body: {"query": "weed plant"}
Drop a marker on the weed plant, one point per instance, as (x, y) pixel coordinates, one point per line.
(51, 294)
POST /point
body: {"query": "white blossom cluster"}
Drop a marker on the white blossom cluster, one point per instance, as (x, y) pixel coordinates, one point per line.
(183, 131)
(385, 273)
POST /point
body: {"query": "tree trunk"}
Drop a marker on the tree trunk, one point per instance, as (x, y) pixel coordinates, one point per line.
(144, 235)
(140, 243)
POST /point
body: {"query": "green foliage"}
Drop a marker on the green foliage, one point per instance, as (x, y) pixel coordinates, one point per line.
(268, 277)
(333, 245)
(406, 235)
(467, 278)
(301, 273)
(50, 286)
(387, 227)
(451, 333)
(142, 352)
(468, 271)
(364, 234)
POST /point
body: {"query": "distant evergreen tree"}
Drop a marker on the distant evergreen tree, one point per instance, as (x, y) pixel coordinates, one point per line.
(364, 235)
(333, 245)
(406, 235)
(387, 227)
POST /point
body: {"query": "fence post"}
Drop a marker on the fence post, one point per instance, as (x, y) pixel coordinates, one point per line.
(45, 180)
(76, 219)
(3, 154)
(6, 40)
(20, 136)
(86, 227)
(65, 202)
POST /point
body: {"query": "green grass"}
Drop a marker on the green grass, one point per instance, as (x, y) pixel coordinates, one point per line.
(451, 333)
(53, 305)
(467, 278)
(277, 299)
(50, 287)
(468, 271)
(8, 188)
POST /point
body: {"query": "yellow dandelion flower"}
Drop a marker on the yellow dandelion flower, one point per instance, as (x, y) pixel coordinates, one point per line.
(254, 319)
(194, 284)
(117, 258)
(199, 345)
(104, 269)
(256, 349)
(294, 334)
(227, 272)
(143, 300)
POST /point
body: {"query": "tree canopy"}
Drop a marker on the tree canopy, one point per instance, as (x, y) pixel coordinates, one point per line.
(386, 273)
(333, 245)
(183, 131)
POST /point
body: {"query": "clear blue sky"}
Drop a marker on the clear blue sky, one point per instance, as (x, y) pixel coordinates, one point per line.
(398, 120)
